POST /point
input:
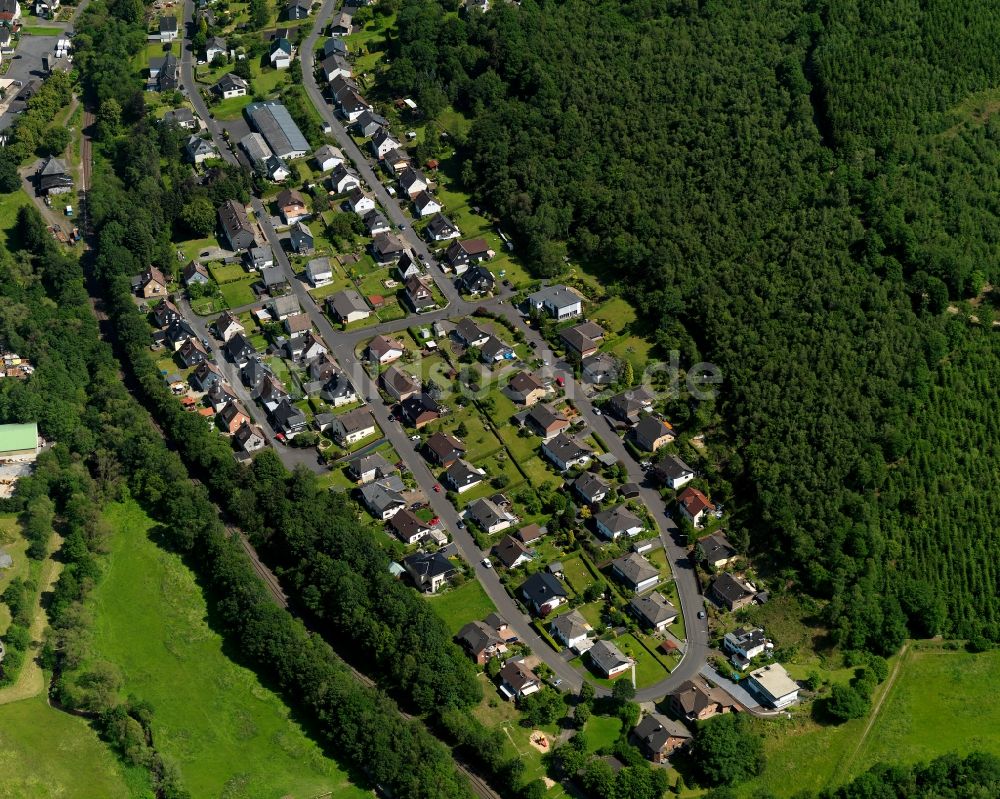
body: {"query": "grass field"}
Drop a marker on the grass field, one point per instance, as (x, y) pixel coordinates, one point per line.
(10, 204)
(239, 293)
(228, 734)
(47, 754)
(40, 30)
(461, 605)
(602, 732)
(14, 545)
(577, 574)
(226, 273)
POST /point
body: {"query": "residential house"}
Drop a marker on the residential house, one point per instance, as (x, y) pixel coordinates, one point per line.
(200, 150)
(559, 302)
(375, 223)
(352, 105)
(490, 516)
(216, 46)
(407, 266)
(177, 333)
(384, 498)
(288, 419)
(526, 389)
(275, 169)
(370, 125)
(297, 9)
(354, 426)
(280, 53)
(292, 206)
(231, 418)
(462, 476)
(731, 592)
(151, 283)
(745, 643)
(652, 433)
(443, 449)
(429, 570)
(572, 630)
(418, 294)
(275, 282)
(546, 422)
(518, 681)
(339, 391)
(239, 349)
(269, 390)
(635, 572)
(694, 506)
(608, 659)
(182, 118)
(772, 686)
(249, 438)
(168, 28)
(495, 350)
(510, 552)
(654, 610)
(322, 368)
(319, 272)
(53, 177)
(165, 314)
(195, 272)
(399, 384)
(601, 369)
(426, 205)
(334, 46)
(483, 641)
(348, 306)
(696, 701)
(359, 202)
(408, 527)
(372, 466)
(254, 373)
(673, 472)
(715, 550)
(530, 533)
(412, 181)
(628, 406)
(591, 488)
(297, 324)
(420, 410)
(476, 280)
(397, 161)
(205, 376)
(236, 227)
(441, 228)
(328, 157)
(231, 85)
(384, 350)
(387, 248)
(618, 521)
(167, 77)
(462, 254)
(470, 334)
(341, 25)
(383, 142)
(220, 395)
(543, 593)
(301, 239)
(191, 353)
(565, 452)
(659, 737)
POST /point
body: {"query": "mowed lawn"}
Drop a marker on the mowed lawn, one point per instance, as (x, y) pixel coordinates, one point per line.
(46, 753)
(10, 204)
(228, 734)
(461, 605)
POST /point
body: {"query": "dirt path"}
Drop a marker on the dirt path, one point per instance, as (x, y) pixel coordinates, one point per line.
(31, 681)
(876, 709)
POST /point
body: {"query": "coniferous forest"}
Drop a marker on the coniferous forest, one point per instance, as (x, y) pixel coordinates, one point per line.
(802, 192)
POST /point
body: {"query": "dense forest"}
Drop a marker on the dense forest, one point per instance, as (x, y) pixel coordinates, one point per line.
(802, 193)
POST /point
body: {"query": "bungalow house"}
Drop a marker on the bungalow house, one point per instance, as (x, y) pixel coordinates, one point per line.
(429, 570)
(608, 659)
(618, 521)
(342, 180)
(195, 272)
(582, 340)
(236, 227)
(543, 593)
(408, 527)
(275, 169)
(297, 9)
(601, 369)
(572, 630)
(482, 640)
(658, 737)
(191, 353)
(292, 206)
(694, 506)
(200, 150)
(382, 142)
(150, 283)
(412, 181)
(591, 488)
(301, 239)
(384, 497)
(354, 426)
(530, 533)
(231, 85)
(341, 25)
(231, 418)
(348, 306)
(462, 476)
(495, 350)
(559, 302)
(635, 572)
(205, 376)
(398, 383)
(510, 552)
(525, 389)
(470, 334)
(426, 205)
(476, 280)
(545, 422)
(746, 642)
(715, 550)
(359, 202)
(387, 248)
(328, 157)
(489, 516)
(375, 223)
(654, 610)
(373, 466)
(696, 701)
(258, 258)
(518, 681)
(215, 46)
(280, 53)
(731, 592)
(165, 314)
(673, 472)
(420, 410)
(772, 685)
(283, 307)
(383, 350)
(651, 433)
(368, 124)
(441, 228)
(319, 272)
(443, 449)
(249, 438)
(239, 349)
(464, 253)
(419, 294)
(565, 452)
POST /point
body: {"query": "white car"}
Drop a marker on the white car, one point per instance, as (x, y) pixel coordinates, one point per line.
(414, 438)
(487, 564)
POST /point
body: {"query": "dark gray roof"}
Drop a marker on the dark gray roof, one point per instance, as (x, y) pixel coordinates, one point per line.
(654, 608)
(618, 519)
(635, 568)
(541, 587)
(607, 656)
(274, 123)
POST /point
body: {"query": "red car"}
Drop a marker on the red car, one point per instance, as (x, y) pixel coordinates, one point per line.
(435, 521)
(560, 381)
(437, 488)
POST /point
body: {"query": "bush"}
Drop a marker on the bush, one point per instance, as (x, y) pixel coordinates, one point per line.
(846, 702)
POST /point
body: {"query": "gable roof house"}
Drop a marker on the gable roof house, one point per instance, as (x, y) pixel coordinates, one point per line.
(167, 77)
(384, 498)
(429, 570)
(239, 349)
(463, 253)
(517, 680)
(191, 353)
(301, 238)
(476, 280)
(482, 641)
(715, 550)
(375, 223)
(387, 248)
(582, 340)
(249, 438)
(618, 521)
(297, 9)
(372, 466)
(490, 516)
(495, 350)
(694, 506)
(441, 228)
(215, 46)
(408, 527)
(673, 472)
(177, 333)
(369, 124)
(351, 104)
(292, 206)
(359, 202)
(231, 85)
(182, 118)
(151, 283)
(658, 737)
(398, 383)
(384, 349)
(231, 418)
(396, 162)
(296, 324)
(53, 177)
(747, 642)
(333, 46)
(443, 449)
(280, 53)
(511, 552)
(328, 157)
(600, 369)
(731, 592)
(591, 488)
(200, 150)
(236, 227)
(341, 25)
(772, 685)
(220, 395)
(205, 376)
(525, 389)
(565, 452)
(195, 272)
(462, 476)
(530, 533)
(407, 266)
(353, 426)
(426, 205)
(608, 659)
(168, 28)
(543, 593)
(338, 390)
(546, 422)
(420, 410)
(654, 609)
(348, 306)
(559, 302)
(382, 142)
(469, 333)
(651, 433)
(572, 630)
(412, 181)
(419, 294)
(284, 306)
(165, 313)
(695, 701)
(635, 572)
(319, 272)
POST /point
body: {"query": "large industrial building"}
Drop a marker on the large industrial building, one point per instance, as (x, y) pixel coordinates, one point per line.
(272, 121)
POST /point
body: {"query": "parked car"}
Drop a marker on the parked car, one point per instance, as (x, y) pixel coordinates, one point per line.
(487, 564)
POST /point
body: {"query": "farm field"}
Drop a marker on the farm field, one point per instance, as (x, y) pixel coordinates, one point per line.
(228, 734)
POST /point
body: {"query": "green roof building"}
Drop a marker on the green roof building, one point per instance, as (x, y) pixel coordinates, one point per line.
(18, 440)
